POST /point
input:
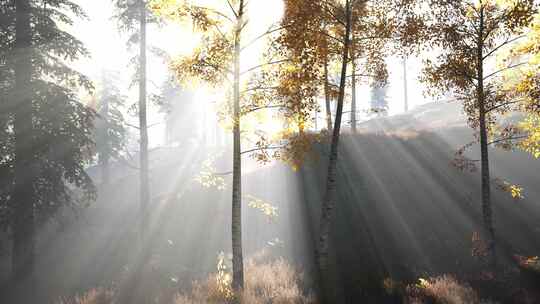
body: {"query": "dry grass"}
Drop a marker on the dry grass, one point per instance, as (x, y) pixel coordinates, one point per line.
(274, 282)
(94, 296)
(442, 290)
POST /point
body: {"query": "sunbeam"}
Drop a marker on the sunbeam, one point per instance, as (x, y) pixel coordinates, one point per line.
(269, 152)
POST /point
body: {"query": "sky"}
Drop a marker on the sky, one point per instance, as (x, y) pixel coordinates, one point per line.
(108, 51)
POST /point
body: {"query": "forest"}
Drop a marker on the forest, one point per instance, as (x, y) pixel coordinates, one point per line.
(269, 151)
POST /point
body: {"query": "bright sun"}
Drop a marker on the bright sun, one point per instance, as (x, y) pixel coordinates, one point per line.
(266, 15)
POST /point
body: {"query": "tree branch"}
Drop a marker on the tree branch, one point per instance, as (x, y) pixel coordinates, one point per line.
(232, 8)
(262, 108)
(508, 41)
(268, 32)
(262, 148)
(501, 105)
(504, 69)
(263, 65)
(506, 139)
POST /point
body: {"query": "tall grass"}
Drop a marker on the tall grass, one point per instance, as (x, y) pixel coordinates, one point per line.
(274, 282)
(444, 289)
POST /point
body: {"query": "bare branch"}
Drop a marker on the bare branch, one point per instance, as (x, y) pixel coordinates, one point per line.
(508, 41)
(222, 173)
(261, 149)
(504, 69)
(251, 110)
(232, 8)
(259, 88)
(501, 105)
(214, 12)
(511, 138)
(266, 33)
(263, 65)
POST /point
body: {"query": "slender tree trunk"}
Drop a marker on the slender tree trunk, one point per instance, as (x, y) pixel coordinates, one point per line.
(327, 98)
(484, 153)
(331, 190)
(236, 225)
(143, 124)
(405, 86)
(23, 254)
(353, 98)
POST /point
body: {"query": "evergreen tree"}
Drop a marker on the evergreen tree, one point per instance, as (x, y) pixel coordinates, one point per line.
(110, 133)
(379, 103)
(133, 17)
(45, 132)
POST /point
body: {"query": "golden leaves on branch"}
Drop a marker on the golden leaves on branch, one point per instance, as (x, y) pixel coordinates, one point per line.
(267, 209)
(514, 190)
(208, 177)
(202, 18)
(531, 126)
(209, 63)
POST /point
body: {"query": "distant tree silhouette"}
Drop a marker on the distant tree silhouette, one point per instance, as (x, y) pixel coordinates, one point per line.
(110, 133)
(379, 101)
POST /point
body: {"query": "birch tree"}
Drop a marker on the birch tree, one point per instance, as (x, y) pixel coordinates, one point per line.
(218, 61)
(468, 35)
(374, 23)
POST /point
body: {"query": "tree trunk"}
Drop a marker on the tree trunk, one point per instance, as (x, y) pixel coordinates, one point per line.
(23, 254)
(236, 225)
(405, 86)
(327, 98)
(484, 153)
(143, 125)
(353, 98)
(331, 191)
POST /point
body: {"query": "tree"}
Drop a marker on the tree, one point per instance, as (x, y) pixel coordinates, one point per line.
(110, 133)
(331, 182)
(523, 84)
(46, 131)
(373, 24)
(318, 17)
(133, 17)
(405, 86)
(367, 59)
(379, 103)
(216, 61)
(468, 35)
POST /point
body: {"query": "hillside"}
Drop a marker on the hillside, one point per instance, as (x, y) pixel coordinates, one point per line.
(405, 212)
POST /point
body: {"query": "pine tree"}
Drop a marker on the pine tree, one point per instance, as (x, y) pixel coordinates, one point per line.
(110, 133)
(133, 17)
(379, 102)
(45, 131)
